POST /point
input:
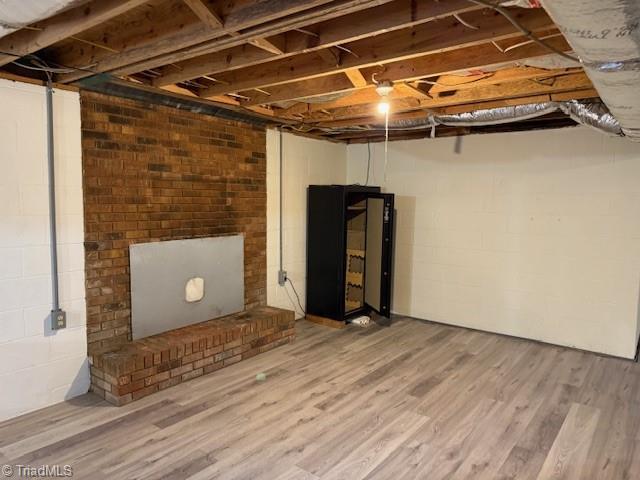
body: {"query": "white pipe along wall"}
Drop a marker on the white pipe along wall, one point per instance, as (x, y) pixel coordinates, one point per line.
(38, 366)
(531, 234)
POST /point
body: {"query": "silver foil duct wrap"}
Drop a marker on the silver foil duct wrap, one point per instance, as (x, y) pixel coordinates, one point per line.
(591, 114)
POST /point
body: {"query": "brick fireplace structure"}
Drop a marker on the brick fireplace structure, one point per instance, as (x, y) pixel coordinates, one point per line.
(154, 173)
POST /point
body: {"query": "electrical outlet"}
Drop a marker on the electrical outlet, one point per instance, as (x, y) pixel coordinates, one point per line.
(58, 319)
(282, 277)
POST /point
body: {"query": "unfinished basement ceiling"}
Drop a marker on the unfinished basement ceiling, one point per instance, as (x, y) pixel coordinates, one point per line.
(313, 65)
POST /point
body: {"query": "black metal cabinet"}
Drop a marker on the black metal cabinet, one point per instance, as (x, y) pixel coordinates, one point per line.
(349, 251)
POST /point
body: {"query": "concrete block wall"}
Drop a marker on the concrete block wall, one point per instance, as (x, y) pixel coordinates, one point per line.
(39, 367)
(532, 234)
(306, 161)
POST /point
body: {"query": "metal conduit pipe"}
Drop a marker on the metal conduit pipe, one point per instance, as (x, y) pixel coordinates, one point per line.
(58, 316)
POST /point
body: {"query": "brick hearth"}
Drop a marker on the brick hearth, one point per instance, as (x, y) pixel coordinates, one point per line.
(145, 366)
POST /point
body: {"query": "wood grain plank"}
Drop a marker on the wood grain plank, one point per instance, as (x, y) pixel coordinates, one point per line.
(571, 447)
(414, 400)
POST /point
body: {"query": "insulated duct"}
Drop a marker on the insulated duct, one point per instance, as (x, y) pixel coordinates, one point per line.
(16, 15)
(591, 114)
(605, 34)
(594, 115)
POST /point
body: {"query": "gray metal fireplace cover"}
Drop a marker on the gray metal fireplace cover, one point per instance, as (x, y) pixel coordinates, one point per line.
(161, 271)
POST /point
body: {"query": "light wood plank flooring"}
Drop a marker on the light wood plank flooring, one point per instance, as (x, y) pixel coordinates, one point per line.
(415, 400)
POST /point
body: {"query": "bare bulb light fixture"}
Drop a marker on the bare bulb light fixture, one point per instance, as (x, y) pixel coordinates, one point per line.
(384, 88)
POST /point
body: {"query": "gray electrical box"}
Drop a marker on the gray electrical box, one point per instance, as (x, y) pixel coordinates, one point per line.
(58, 319)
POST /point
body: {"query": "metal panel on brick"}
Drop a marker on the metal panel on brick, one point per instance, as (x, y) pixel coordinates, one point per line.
(164, 295)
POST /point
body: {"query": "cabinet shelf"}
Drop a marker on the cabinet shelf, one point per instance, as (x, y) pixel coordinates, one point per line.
(352, 305)
(354, 278)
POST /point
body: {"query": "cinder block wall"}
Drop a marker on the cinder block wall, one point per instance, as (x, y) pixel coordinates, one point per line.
(38, 366)
(532, 234)
(306, 161)
(154, 173)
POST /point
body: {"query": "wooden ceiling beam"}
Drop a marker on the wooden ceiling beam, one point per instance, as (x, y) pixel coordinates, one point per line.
(347, 28)
(356, 78)
(258, 19)
(139, 60)
(372, 118)
(448, 83)
(508, 102)
(401, 45)
(406, 89)
(205, 13)
(330, 56)
(409, 90)
(289, 24)
(63, 25)
(208, 16)
(269, 46)
(475, 57)
(520, 88)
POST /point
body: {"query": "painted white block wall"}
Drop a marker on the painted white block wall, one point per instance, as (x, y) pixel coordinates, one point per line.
(533, 234)
(305, 162)
(39, 367)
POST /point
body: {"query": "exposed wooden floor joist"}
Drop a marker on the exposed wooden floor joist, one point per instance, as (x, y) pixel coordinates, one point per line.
(297, 60)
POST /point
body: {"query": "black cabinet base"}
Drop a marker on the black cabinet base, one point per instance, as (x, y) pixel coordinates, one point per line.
(327, 322)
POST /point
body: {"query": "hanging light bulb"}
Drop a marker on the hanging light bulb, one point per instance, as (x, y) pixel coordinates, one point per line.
(383, 89)
(383, 107)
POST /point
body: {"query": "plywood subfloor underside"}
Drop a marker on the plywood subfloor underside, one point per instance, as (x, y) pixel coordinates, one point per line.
(416, 400)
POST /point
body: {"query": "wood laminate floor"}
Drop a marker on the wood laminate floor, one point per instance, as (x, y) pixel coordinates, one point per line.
(415, 400)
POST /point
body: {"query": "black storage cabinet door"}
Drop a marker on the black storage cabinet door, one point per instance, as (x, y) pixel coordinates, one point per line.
(325, 251)
(379, 255)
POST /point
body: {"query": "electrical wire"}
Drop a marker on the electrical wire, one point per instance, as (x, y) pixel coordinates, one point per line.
(44, 66)
(465, 23)
(386, 145)
(446, 85)
(368, 162)
(506, 14)
(297, 296)
(43, 69)
(529, 42)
